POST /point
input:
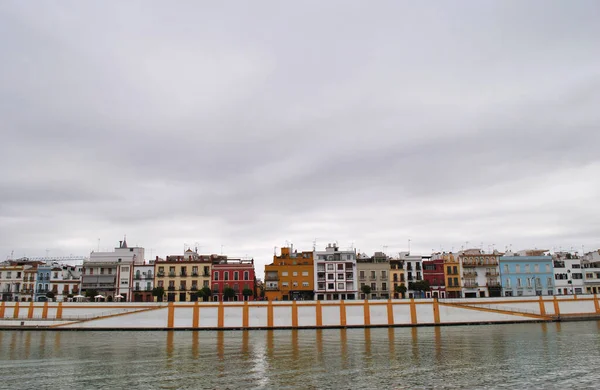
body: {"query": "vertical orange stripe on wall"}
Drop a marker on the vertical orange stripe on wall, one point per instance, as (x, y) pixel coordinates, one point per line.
(367, 312)
(171, 315)
(556, 307)
(596, 304)
(59, 311)
(2, 309)
(413, 311)
(270, 314)
(390, 312)
(30, 312)
(45, 310)
(294, 314)
(221, 315)
(436, 311)
(16, 311)
(319, 314)
(246, 315)
(196, 315)
(542, 306)
(342, 313)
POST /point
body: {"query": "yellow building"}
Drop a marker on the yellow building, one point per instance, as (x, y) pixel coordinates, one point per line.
(452, 276)
(290, 276)
(397, 277)
(182, 277)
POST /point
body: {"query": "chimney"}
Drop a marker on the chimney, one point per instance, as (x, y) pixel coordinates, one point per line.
(120, 244)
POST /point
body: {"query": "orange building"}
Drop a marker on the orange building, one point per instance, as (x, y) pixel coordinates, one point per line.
(290, 276)
(452, 276)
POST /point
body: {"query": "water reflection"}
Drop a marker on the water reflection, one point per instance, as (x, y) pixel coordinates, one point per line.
(514, 356)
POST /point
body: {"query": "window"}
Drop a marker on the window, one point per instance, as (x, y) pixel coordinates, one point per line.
(331, 286)
(236, 275)
(373, 286)
(124, 269)
(456, 282)
(295, 284)
(361, 274)
(110, 271)
(547, 268)
(161, 283)
(517, 268)
(528, 283)
(384, 286)
(507, 282)
(304, 284)
(91, 271)
(294, 273)
(329, 267)
(285, 284)
(216, 275)
(348, 257)
(536, 268)
(549, 282)
(225, 275)
(330, 277)
(284, 273)
(519, 282)
(527, 270)
(304, 273)
(55, 275)
(101, 271)
(449, 270)
(505, 268)
(384, 275)
(246, 275)
(373, 275)
(455, 270)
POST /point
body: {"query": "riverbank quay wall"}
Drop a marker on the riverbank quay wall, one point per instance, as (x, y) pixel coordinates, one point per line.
(295, 314)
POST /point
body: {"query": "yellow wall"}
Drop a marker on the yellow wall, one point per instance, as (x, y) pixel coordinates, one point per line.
(452, 276)
(202, 279)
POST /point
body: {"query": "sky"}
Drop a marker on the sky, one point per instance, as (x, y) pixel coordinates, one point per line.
(240, 126)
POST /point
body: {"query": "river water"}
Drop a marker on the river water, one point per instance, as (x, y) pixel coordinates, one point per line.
(550, 355)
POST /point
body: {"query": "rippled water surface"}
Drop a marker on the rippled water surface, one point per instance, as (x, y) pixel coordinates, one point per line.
(553, 355)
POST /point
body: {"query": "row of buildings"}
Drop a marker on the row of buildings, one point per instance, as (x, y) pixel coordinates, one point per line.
(330, 274)
(126, 276)
(344, 274)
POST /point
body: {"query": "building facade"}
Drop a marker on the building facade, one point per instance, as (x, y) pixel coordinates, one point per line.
(182, 277)
(374, 272)
(568, 274)
(452, 271)
(591, 272)
(397, 277)
(413, 265)
(236, 274)
(433, 274)
(11, 279)
(290, 276)
(110, 274)
(143, 282)
(335, 273)
(526, 275)
(480, 274)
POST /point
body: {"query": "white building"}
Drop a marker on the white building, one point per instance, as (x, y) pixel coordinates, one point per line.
(335, 274)
(591, 272)
(143, 282)
(568, 274)
(480, 273)
(111, 273)
(413, 267)
(11, 279)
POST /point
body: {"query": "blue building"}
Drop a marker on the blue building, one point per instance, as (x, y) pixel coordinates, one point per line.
(42, 282)
(526, 275)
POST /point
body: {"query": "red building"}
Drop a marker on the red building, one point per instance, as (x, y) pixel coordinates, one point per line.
(237, 274)
(433, 272)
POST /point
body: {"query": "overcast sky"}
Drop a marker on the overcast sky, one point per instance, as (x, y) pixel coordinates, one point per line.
(246, 124)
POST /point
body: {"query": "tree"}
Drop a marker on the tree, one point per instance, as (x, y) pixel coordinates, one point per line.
(366, 290)
(50, 295)
(247, 293)
(228, 293)
(401, 289)
(91, 293)
(159, 293)
(206, 293)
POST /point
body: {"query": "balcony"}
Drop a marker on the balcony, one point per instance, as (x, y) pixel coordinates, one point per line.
(171, 274)
(372, 277)
(182, 288)
(206, 274)
(160, 274)
(272, 288)
(471, 284)
(171, 288)
(194, 273)
(272, 277)
(492, 273)
(491, 283)
(469, 274)
(183, 274)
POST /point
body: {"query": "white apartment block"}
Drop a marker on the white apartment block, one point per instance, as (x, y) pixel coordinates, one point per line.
(335, 274)
(568, 274)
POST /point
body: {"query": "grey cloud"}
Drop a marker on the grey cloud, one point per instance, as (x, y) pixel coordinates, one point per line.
(246, 125)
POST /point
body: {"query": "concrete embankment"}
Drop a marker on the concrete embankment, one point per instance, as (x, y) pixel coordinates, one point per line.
(295, 314)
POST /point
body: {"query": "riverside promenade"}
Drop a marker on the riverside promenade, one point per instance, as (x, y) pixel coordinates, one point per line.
(295, 314)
